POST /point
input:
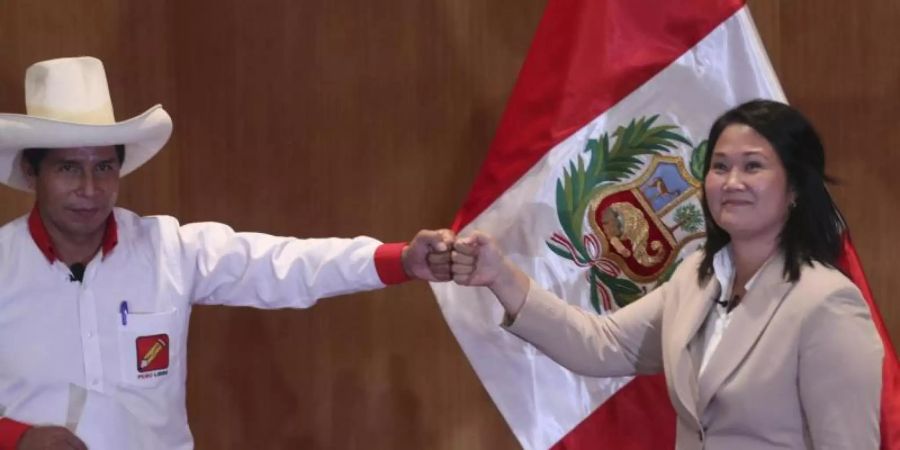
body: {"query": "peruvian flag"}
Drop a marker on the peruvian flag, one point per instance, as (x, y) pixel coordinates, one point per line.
(606, 126)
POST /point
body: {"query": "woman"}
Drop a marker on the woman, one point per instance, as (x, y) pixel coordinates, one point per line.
(764, 344)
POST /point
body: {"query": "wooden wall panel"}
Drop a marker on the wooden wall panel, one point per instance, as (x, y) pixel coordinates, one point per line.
(319, 118)
(337, 118)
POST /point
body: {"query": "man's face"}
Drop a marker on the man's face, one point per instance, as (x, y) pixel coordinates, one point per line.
(76, 189)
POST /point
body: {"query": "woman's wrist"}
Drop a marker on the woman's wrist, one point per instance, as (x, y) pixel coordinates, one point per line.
(511, 287)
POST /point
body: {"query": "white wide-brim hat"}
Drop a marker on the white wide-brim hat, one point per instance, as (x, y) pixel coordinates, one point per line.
(68, 105)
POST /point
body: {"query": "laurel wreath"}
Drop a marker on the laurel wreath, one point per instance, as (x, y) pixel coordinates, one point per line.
(611, 159)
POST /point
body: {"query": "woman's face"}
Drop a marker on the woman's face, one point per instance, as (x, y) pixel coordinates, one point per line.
(746, 187)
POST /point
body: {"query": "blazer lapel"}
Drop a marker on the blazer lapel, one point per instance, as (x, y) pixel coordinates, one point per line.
(748, 322)
(692, 312)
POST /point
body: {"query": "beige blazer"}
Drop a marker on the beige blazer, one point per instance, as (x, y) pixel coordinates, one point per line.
(799, 366)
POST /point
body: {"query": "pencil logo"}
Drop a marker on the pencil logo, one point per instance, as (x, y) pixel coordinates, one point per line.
(152, 352)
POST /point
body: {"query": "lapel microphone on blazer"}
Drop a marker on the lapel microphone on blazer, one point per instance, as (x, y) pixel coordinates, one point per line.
(77, 272)
(730, 303)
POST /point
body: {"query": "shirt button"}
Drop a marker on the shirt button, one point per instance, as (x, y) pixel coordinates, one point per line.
(95, 382)
(90, 334)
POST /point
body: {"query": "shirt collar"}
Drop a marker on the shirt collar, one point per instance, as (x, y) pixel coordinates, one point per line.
(723, 268)
(42, 238)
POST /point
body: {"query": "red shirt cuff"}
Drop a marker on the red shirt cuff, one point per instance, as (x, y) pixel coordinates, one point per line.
(10, 433)
(389, 263)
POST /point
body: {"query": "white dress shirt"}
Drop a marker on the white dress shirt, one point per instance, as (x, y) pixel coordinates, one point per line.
(719, 316)
(71, 355)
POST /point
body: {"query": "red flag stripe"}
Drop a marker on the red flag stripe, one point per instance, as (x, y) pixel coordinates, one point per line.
(586, 56)
(624, 422)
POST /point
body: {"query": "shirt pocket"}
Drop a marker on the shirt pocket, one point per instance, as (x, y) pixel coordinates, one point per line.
(146, 347)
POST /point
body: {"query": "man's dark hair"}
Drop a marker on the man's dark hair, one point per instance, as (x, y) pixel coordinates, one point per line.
(814, 225)
(34, 156)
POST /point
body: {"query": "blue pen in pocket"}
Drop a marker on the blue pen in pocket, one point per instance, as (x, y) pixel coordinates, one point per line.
(123, 311)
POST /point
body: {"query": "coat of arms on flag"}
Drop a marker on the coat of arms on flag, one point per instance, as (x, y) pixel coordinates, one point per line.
(640, 213)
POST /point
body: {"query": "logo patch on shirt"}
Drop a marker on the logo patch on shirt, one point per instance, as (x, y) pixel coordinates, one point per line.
(152, 353)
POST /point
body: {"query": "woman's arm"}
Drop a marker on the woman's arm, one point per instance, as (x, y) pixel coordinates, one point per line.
(619, 344)
(840, 373)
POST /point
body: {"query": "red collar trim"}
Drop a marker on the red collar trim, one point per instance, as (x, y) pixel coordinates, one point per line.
(42, 237)
(110, 236)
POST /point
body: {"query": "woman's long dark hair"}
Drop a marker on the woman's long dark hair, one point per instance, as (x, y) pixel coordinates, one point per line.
(814, 225)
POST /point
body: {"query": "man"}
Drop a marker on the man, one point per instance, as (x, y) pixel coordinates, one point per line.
(95, 300)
